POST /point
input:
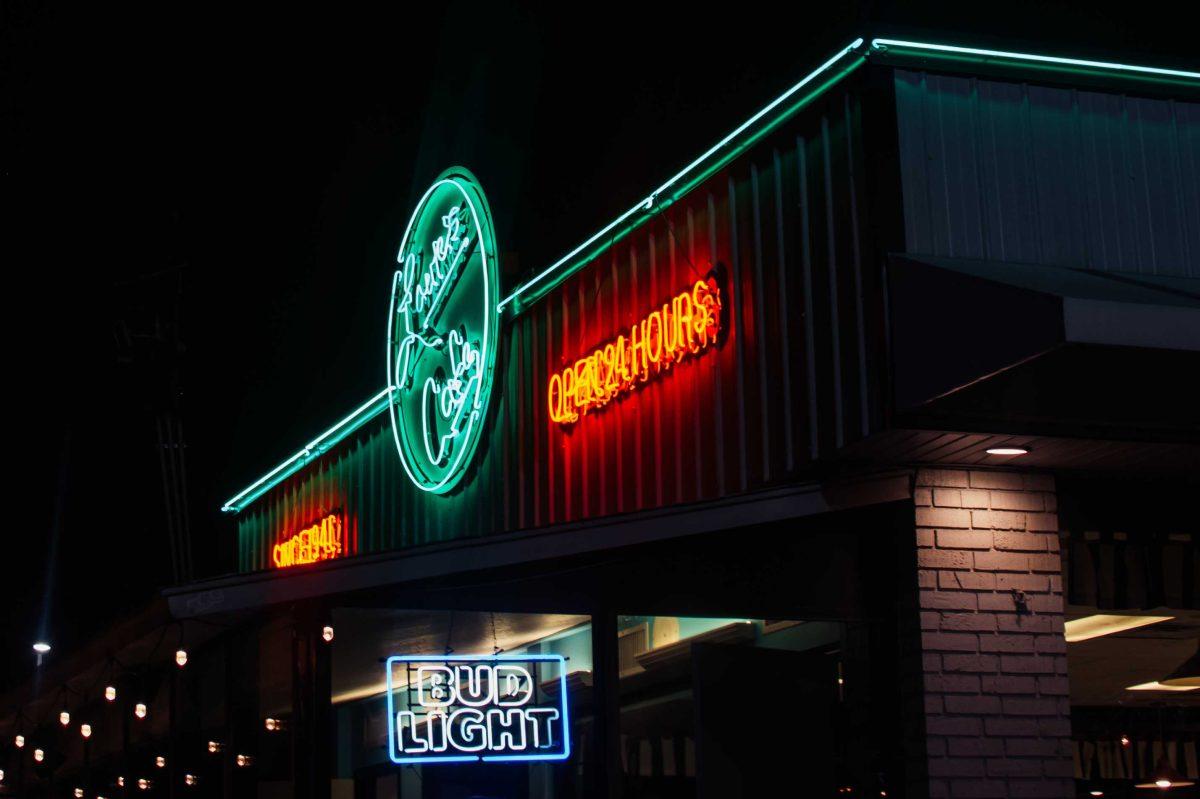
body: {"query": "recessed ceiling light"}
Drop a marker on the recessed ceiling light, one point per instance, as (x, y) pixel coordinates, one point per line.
(1157, 686)
(1007, 451)
(1106, 624)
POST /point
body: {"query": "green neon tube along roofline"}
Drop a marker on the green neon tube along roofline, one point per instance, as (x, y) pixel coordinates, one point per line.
(820, 80)
(1002, 56)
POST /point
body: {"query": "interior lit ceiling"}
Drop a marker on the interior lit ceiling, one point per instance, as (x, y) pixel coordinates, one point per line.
(368, 636)
(1102, 669)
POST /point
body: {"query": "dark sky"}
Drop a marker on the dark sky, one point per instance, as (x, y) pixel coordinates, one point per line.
(238, 183)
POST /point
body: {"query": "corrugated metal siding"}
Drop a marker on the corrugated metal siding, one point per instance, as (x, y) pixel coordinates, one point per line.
(795, 377)
(1017, 172)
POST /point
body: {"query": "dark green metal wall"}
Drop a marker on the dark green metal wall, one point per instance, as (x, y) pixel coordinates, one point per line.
(796, 376)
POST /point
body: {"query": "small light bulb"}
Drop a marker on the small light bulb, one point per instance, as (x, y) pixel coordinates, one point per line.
(1, 775)
(110, 693)
(85, 730)
(39, 755)
(243, 760)
(1124, 740)
(213, 747)
(64, 718)
(160, 761)
(120, 782)
(139, 710)
(41, 647)
(19, 741)
(181, 657)
(271, 725)
(189, 779)
(143, 784)
(327, 633)
(79, 793)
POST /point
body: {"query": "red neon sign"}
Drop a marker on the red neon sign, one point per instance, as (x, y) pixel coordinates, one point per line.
(321, 541)
(684, 326)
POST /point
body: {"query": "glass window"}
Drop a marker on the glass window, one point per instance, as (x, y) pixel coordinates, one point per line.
(553, 650)
(1131, 573)
(715, 707)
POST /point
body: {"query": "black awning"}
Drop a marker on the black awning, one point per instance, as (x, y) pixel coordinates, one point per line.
(1057, 345)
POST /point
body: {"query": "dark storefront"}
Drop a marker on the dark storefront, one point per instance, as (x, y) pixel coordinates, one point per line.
(855, 460)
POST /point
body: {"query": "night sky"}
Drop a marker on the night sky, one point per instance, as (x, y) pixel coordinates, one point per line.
(201, 212)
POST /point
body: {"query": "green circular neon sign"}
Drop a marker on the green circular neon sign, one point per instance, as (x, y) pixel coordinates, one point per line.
(442, 327)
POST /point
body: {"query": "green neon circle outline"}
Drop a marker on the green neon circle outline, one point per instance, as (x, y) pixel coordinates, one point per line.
(466, 183)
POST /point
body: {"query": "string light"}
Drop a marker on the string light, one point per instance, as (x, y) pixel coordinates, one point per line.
(110, 693)
(327, 633)
(1, 775)
(160, 762)
(19, 741)
(273, 725)
(64, 718)
(244, 760)
(139, 710)
(181, 657)
(190, 779)
(85, 730)
(214, 747)
(120, 782)
(143, 784)
(39, 755)
(79, 793)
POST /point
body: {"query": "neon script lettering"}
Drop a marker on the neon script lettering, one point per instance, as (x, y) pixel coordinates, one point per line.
(422, 293)
(321, 541)
(684, 326)
(442, 332)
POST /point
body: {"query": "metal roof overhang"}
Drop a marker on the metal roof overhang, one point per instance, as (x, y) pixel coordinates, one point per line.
(492, 555)
(1006, 348)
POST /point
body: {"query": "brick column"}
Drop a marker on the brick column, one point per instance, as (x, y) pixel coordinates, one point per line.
(997, 712)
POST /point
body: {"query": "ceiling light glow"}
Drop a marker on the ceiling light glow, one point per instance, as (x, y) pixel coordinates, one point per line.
(1100, 624)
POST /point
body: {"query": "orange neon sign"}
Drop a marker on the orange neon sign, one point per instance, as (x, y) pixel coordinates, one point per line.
(321, 541)
(684, 326)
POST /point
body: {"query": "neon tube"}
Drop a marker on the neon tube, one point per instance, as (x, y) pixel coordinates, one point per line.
(648, 204)
(354, 420)
(883, 45)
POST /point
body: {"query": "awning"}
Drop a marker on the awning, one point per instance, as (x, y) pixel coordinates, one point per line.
(1049, 348)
